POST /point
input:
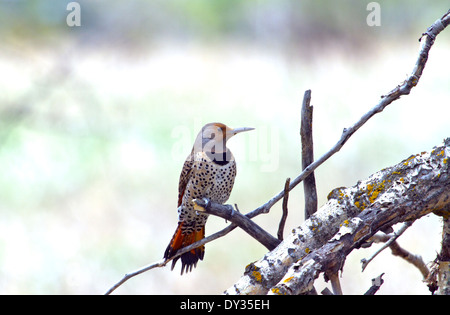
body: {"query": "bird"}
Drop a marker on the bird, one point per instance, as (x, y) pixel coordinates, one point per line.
(208, 172)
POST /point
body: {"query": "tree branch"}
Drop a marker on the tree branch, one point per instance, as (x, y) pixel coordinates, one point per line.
(228, 213)
(405, 88)
(401, 193)
(309, 183)
(285, 210)
(396, 250)
(376, 284)
(388, 242)
(444, 259)
(130, 275)
(439, 276)
(270, 271)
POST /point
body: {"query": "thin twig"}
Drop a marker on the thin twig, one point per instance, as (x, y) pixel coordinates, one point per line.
(396, 235)
(376, 284)
(130, 275)
(397, 250)
(306, 135)
(403, 89)
(415, 260)
(285, 210)
(180, 252)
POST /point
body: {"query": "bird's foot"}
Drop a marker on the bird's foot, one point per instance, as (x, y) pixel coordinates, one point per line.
(201, 204)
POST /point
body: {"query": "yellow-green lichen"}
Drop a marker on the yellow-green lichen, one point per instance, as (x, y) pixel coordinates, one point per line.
(337, 193)
(276, 291)
(314, 224)
(373, 190)
(408, 159)
(257, 276)
(288, 279)
(360, 205)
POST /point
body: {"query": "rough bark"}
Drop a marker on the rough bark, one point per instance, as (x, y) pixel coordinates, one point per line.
(309, 183)
(404, 192)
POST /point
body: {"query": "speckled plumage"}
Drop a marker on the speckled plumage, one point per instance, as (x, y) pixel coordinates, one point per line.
(205, 179)
(208, 172)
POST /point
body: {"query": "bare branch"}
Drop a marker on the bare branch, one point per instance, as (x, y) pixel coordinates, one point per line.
(445, 248)
(335, 283)
(376, 284)
(297, 246)
(403, 89)
(444, 262)
(306, 135)
(396, 250)
(162, 263)
(439, 276)
(130, 275)
(388, 243)
(227, 212)
(285, 210)
(401, 193)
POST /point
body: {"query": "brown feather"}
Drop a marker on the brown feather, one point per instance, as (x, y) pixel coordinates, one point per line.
(184, 177)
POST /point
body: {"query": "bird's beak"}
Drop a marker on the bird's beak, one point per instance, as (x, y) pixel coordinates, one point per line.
(241, 129)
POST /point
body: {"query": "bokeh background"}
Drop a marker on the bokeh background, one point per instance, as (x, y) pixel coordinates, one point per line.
(96, 120)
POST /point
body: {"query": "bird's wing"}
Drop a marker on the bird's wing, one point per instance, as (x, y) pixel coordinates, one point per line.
(184, 177)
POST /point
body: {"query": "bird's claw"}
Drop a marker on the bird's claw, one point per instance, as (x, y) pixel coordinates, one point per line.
(201, 204)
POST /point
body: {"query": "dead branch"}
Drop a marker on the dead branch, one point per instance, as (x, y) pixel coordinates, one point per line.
(388, 242)
(306, 135)
(310, 236)
(285, 210)
(439, 276)
(444, 258)
(397, 250)
(404, 192)
(130, 275)
(228, 213)
(427, 40)
(270, 272)
(376, 284)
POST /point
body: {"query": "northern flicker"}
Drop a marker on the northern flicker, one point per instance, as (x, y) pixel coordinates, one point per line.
(208, 172)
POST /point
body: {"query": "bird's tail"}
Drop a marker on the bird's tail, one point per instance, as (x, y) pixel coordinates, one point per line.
(182, 239)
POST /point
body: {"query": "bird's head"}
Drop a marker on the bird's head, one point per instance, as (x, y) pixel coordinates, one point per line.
(214, 136)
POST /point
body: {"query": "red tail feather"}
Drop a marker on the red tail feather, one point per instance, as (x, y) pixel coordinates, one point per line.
(180, 240)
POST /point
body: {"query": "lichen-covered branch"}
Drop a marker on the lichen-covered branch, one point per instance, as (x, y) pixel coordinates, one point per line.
(404, 192)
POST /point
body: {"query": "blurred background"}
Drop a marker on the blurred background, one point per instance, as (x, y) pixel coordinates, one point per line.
(96, 121)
